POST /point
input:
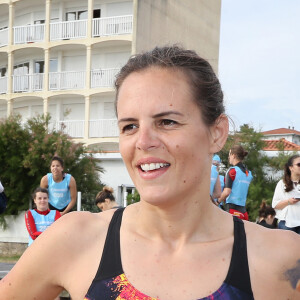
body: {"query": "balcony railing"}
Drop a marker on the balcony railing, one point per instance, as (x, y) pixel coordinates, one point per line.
(74, 128)
(28, 82)
(98, 128)
(103, 77)
(104, 128)
(3, 85)
(4, 37)
(68, 80)
(29, 33)
(112, 26)
(68, 30)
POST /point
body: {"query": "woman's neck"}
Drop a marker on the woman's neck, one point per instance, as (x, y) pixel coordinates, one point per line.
(295, 178)
(171, 224)
(58, 178)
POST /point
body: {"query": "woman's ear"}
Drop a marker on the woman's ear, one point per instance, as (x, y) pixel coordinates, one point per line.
(219, 133)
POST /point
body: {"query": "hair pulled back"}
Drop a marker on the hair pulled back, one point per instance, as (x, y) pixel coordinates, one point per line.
(266, 210)
(39, 190)
(204, 83)
(106, 193)
(239, 152)
(287, 173)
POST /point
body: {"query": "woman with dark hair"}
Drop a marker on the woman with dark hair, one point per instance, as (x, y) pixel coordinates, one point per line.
(39, 219)
(61, 186)
(237, 181)
(105, 199)
(266, 216)
(174, 244)
(287, 195)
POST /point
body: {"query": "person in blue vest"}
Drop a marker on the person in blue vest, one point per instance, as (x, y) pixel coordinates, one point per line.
(61, 186)
(215, 184)
(237, 183)
(39, 219)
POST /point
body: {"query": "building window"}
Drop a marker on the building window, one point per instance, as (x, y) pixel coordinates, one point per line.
(76, 15)
(53, 65)
(39, 66)
(3, 72)
(21, 69)
(97, 13)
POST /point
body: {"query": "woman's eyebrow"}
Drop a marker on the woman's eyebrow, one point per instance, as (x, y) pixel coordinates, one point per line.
(159, 115)
(127, 120)
(167, 113)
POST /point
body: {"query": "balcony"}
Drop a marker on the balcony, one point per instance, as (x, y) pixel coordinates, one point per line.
(3, 85)
(68, 80)
(112, 26)
(29, 34)
(103, 77)
(4, 37)
(68, 30)
(103, 128)
(98, 128)
(28, 82)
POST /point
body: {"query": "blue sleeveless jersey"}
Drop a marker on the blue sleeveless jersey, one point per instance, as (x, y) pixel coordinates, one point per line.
(59, 192)
(239, 191)
(213, 178)
(222, 182)
(42, 221)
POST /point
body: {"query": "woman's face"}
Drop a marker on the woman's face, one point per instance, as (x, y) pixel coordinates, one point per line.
(41, 201)
(164, 143)
(56, 168)
(295, 170)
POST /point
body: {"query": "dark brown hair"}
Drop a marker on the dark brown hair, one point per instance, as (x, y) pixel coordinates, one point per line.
(39, 190)
(266, 210)
(106, 193)
(287, 173)
(57, 158)
(239, 152)
(204, 83)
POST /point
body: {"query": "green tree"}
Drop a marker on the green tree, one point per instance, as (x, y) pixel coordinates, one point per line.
(26, 151)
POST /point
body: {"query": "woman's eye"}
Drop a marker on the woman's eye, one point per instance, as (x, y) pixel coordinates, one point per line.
(167, 122)
(128, 128)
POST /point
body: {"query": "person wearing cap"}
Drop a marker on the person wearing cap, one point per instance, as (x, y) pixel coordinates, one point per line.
(215, 184)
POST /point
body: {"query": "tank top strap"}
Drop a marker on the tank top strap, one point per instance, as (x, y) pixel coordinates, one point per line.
(110, 264)
(238, 273)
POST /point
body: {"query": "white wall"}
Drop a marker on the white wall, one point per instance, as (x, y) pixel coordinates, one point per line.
(115, 174)
(16, 231)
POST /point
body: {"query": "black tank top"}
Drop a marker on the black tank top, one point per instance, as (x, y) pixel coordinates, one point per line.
(110, 281)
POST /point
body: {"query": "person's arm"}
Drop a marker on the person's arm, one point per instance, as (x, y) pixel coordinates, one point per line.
(280, 199)
(44, 182)
(217, 189)
(59, 256)
(30, 225)
(73, 194)
(57, 215)
(226, 192)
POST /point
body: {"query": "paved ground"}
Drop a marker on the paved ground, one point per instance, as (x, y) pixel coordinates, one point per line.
(5, 268)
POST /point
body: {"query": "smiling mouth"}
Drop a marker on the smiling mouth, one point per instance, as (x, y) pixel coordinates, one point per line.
(153, 166)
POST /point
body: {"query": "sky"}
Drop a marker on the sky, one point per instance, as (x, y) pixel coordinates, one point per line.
(259, 62)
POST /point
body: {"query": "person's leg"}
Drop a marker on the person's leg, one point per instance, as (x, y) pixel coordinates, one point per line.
(281, 225)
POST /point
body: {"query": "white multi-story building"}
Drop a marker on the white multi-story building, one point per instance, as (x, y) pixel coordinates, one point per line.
(61, 57)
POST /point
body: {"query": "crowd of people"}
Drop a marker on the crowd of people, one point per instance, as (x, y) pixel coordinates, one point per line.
(175, 243)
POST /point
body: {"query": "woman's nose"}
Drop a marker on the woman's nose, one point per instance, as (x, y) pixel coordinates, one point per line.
(147, 139)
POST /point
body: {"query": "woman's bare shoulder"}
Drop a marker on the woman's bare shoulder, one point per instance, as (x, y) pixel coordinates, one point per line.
(59, 253)
(274, 260)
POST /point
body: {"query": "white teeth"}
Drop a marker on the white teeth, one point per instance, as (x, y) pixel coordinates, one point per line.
(153, 166)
